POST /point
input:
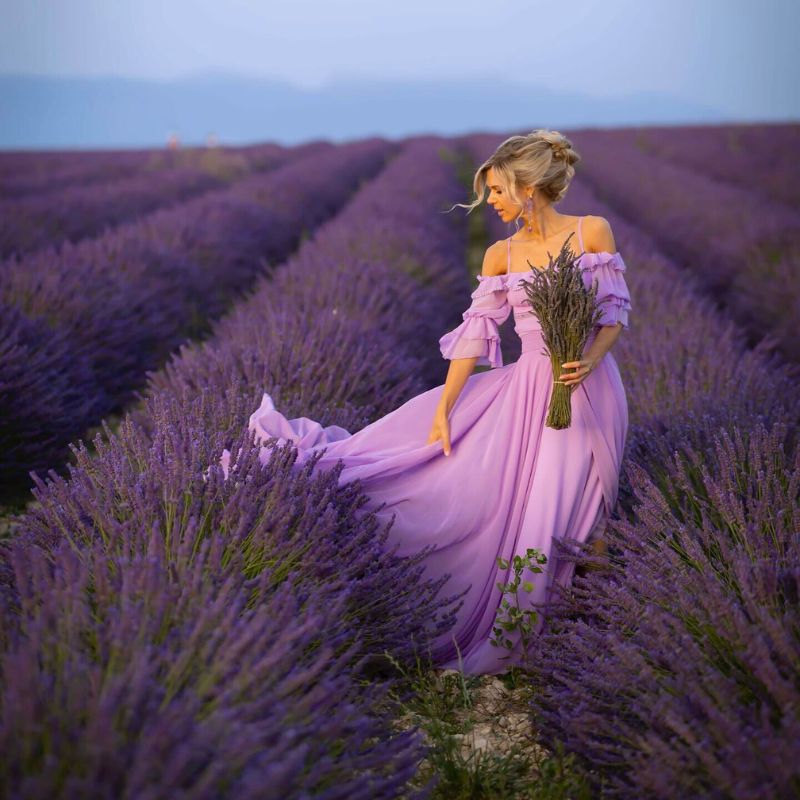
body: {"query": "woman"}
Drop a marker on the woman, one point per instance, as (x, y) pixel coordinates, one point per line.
(470, 466)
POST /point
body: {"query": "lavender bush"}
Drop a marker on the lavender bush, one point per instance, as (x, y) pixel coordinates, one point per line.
(125, 301)
(24, 174)
(696, 630)
(141, 673)
(141, 591)
(44, 401)
(729, 237)
(760, 158)
(80, 211)
(344, 297)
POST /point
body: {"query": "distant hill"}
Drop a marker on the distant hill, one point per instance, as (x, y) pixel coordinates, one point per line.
(45, 112)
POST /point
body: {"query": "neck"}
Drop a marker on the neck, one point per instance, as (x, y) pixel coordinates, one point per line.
(543, 225)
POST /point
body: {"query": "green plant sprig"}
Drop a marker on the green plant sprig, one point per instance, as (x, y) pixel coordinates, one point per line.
(513, 617)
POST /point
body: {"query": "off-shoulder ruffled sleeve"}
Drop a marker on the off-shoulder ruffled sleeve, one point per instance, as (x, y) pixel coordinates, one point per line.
(608, 270)
(478, 335)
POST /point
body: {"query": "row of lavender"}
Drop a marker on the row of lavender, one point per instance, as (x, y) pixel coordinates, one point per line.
(30, 172)
(678, 675)
(760, 158)
(76, 211)
(165, 634)
(743, 249)
(80, 328)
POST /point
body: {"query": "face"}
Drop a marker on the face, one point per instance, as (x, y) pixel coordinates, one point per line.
(498, 199)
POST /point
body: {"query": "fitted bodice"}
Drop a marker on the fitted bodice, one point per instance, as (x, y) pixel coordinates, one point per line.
(516, 297)
(496, 296)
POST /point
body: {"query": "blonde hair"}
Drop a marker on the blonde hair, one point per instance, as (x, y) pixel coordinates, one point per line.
(542, 158)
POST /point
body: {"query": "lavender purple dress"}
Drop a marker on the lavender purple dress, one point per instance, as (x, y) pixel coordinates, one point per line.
(510, 482)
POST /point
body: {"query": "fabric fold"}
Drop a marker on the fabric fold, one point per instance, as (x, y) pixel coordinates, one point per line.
(478, 336)
(613, 296)
(267, 422)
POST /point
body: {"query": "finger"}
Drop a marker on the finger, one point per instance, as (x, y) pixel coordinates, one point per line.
(446, 442)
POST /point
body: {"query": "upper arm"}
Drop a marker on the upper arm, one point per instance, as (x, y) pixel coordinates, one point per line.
(492, 260)
(597, 236)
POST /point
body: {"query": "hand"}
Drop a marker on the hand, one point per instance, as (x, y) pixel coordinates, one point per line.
(440, 430)
(581, 369)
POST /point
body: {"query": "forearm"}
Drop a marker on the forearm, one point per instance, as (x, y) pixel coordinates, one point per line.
(603, 342)
(457, 373)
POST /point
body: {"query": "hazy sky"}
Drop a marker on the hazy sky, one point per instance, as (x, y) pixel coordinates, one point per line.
(737, 55)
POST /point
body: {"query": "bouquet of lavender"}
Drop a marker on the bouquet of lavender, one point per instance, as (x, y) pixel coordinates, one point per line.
(567, 312)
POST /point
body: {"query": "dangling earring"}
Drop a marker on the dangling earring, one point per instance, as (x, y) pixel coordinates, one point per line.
(527, 211)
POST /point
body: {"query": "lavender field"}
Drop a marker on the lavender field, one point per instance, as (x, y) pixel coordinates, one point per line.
(165, 632)
(83, 323)
(72, 206)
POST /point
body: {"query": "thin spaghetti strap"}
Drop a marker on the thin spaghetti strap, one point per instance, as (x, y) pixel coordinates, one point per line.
(580, 236)
(508, 260)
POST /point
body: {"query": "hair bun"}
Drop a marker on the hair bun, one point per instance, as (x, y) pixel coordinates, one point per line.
(558, 149)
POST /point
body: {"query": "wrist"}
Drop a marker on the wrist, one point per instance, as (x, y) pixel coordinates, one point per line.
(593, 359)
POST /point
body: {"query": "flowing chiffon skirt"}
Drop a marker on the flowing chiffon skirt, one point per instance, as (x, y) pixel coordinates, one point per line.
(510, 483)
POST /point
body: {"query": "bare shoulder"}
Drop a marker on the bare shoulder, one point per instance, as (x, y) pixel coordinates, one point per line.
(597, 235)
(494, 259)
